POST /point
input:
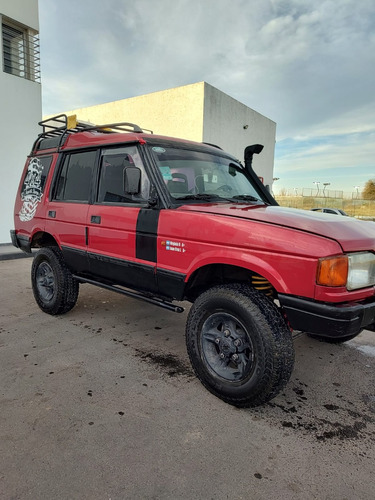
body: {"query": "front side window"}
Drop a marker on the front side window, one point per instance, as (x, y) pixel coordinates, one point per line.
(20, 51)
(194, 175)
(75, 178)
(119, 167)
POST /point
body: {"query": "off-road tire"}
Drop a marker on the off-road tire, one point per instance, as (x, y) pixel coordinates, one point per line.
(225, 316)
(55, 290)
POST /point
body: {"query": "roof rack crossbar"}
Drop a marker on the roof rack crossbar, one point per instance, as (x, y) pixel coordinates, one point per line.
(62, 125)
(213, 145)
(50, 123)
(125, 126)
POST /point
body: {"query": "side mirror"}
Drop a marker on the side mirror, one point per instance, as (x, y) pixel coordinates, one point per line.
(132, 180)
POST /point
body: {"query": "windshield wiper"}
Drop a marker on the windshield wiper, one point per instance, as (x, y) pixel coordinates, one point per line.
(199, 196)
(209, 197)
(247, 197)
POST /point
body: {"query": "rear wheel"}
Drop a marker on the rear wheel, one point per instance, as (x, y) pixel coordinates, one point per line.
(239, 345)
(55, 289)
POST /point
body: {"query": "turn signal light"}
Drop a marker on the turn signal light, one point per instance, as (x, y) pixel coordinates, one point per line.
(333, 271)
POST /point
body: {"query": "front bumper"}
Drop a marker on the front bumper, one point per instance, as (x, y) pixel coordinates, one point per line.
(327, 320)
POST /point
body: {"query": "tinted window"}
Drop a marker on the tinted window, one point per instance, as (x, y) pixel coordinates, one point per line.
(114, 165)
(74, 182)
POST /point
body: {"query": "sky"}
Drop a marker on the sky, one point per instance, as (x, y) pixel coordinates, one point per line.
(307, 65)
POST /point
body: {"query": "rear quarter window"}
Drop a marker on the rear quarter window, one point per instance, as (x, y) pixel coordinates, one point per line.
(33, 185)
(36, 175)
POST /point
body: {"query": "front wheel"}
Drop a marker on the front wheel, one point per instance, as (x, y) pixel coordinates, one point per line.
(239, 345)
(55, 289)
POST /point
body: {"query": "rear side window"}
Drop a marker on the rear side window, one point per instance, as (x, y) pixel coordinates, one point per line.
(33, 185)
(75, 178)
(36, 175)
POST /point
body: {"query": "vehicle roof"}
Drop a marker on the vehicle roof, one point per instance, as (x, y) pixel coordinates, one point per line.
(95, 138)
(85, 139)
(63, 132)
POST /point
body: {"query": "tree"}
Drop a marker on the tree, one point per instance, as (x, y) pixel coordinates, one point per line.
(368, 192)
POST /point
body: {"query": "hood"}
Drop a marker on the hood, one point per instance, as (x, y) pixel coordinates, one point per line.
(351, 234)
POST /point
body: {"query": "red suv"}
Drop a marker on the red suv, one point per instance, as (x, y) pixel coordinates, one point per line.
(164, 220)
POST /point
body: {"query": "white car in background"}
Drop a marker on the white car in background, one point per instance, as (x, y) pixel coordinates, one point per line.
(335, 211)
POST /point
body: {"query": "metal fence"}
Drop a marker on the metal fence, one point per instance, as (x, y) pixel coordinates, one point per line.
(353, 206)
(312, 192)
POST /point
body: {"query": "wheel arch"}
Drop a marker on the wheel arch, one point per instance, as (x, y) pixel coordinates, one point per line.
(213, 274)
(43, 239)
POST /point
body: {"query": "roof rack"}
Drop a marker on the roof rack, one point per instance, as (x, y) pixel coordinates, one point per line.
(213, 145)
(56, 129)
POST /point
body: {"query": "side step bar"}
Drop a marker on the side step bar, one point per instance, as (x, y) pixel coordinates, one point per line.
(134, 295)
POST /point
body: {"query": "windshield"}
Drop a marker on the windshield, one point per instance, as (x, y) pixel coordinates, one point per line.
(196, 175)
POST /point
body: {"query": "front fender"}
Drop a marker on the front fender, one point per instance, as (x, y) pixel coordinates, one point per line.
(282, 271)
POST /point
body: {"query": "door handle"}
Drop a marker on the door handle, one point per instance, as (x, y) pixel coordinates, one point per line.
(96, 219)
(52, 214)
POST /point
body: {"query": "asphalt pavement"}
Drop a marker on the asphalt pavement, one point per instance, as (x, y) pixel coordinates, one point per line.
(101, 403)
(9, 252)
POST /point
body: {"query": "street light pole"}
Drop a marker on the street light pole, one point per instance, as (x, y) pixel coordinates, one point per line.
(325, 184)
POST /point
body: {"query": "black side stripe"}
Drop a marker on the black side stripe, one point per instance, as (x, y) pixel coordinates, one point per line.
(146, 234)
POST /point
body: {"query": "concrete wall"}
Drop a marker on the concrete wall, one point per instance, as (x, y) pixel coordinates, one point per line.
(21, 109)
(23, 11)
(175, 112)
(197, 112)
(224, 122)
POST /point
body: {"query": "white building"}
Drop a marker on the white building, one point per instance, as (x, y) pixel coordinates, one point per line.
(20, 98)
(198, 112)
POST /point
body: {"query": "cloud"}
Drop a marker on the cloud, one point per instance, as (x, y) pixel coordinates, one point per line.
(309, 66)
(343, 160)
(294, 61)
(327, 152)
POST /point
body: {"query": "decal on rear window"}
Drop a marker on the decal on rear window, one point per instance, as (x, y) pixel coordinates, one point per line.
(33, 186)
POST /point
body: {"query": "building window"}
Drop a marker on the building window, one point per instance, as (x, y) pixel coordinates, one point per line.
(20, 51)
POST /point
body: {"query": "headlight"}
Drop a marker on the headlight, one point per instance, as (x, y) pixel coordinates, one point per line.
(355, 270)
(361, 270)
